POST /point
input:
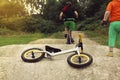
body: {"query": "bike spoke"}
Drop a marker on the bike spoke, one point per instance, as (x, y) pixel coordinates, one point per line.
(79, 59)
(33, 54)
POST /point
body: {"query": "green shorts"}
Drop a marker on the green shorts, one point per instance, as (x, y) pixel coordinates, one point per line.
(70, 23)
(114, 30)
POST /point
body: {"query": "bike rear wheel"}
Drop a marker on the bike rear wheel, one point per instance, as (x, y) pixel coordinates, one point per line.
(77, 61)
(32, 55)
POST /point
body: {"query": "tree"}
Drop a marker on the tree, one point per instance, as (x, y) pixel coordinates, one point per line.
(8, 9)
(94, 6)
(33, 6)
(51, 12)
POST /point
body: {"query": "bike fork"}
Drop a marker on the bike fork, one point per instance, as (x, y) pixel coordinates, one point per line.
(78, 52)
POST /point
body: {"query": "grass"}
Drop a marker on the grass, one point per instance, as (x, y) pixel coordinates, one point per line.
(19, 39)
(100, 38)
(25, 38)
(58, 35)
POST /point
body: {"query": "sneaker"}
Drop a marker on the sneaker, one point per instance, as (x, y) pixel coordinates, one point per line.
(110, 54)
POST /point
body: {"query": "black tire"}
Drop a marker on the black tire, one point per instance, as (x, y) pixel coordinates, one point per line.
(32, 55)
(71, 60)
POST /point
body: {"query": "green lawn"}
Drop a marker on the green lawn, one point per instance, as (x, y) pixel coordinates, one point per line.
(100, 38)
(19, 38)
(25, 38)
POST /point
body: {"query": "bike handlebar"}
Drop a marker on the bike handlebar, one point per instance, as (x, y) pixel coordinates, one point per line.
(80, 37)
(80, 42)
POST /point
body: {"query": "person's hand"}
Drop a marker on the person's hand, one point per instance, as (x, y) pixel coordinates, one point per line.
(104, 22)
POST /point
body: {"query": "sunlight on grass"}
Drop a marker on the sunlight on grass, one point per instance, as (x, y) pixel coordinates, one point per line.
(102, 39)
(19, 39)
(25, 38)
(97, 37)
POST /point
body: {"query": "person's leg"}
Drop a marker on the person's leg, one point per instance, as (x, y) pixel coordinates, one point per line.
(72, 28)
(112, 38)
(118, 53)
(66, 24)
(67, 32)
(118, 31)
(119, 37)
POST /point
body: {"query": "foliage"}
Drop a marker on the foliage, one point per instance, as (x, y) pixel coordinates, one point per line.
(39, 25)
(51, 12)
(90, 15)
(92, 7)
(94, 17)
(102, 39)
(8, 9)
(5, 31)
(29, 24)
(86, 24)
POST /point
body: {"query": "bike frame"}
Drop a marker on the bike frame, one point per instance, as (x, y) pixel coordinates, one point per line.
(77, 49)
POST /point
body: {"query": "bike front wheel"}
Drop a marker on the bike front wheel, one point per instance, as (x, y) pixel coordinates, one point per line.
(77, 61)
(32, 55)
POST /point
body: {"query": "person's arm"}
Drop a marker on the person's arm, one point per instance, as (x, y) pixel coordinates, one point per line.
(60, 16)
(76, 14)
(106, 16)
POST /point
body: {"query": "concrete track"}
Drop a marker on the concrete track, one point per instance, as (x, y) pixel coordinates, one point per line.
(102, 68)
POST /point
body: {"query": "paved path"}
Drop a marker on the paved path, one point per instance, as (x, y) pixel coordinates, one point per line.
(102, 68)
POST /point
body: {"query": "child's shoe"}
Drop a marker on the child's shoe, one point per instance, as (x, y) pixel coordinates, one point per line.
(110, 54)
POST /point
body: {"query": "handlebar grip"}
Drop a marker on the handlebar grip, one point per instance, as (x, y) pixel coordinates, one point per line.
(80, 37)
(80, 42)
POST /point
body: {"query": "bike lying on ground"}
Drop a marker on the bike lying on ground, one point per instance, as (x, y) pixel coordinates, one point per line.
(77, 60)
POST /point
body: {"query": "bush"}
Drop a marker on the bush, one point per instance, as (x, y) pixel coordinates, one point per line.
(47, 27)
(4, 31)
(39, 25)
(87, 24)
(29, 24)
(14, 23)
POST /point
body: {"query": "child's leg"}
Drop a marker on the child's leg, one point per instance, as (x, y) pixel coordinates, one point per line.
(112, 35)
(112, 39)
(119, 38)
(65, 27)
(118, 29)
(72, 28)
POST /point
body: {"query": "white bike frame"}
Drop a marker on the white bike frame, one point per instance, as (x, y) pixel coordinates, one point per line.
(77, 49)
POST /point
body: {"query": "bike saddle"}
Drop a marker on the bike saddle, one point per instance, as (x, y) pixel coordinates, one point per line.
(52, 49)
